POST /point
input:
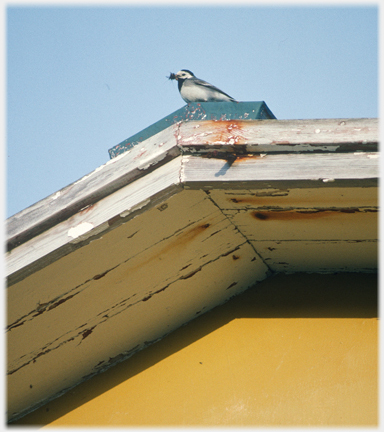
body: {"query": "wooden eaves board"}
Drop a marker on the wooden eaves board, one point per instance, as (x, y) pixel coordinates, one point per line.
(177, 225)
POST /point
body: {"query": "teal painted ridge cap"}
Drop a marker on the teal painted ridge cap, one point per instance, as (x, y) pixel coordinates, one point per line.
(198, 111)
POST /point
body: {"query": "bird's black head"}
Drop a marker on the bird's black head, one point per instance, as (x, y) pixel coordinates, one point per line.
(186, 70)
(182, 75)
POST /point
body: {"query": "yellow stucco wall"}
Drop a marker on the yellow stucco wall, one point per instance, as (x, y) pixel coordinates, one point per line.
(294, 350)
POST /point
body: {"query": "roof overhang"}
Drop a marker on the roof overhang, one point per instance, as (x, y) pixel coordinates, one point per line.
(174, 226)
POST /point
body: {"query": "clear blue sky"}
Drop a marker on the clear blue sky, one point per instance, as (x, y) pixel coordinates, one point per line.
(82, 79)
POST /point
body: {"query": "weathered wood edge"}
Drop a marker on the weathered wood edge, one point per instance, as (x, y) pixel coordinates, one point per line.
(103, 181)
(306, 167)
(279, 136)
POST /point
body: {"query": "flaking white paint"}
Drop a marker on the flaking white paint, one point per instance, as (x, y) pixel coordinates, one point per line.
(134, 208)
(80, 229)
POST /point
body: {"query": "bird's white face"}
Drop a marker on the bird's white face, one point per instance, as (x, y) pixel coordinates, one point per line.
(183, 75)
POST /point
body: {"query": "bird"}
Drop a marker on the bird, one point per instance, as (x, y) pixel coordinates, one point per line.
(193, 89)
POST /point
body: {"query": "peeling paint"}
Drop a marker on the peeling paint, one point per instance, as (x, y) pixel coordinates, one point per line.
(133, 234)
(87, 332)
(61, 301)
(91, 174)
(80, 230)
(192, 273)
(134, 208)
(153, 161)
(92, 232)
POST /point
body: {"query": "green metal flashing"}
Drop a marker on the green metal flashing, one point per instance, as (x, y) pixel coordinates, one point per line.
(198, 111)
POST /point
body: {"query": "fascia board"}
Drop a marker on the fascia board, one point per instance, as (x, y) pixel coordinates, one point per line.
(279, 136)
(313, 169)
(103, 181)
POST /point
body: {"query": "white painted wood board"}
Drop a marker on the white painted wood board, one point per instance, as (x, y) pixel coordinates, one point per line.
(311, 135)
(281, 167)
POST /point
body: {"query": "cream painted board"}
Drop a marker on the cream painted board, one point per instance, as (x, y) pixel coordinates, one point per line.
(319, 256)
(57, 280)
(126, 284)
(285, 198)
(181, 224)
(65, 302)
(306, 224)
(125, 332)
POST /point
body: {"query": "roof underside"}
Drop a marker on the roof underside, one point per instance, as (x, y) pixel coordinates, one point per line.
(177, 225)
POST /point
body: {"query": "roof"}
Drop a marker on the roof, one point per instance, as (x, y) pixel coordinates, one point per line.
(174, 226)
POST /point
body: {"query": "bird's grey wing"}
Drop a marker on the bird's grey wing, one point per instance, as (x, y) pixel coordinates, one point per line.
(203, 83)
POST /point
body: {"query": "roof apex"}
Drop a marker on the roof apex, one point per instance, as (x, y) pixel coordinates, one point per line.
(198, 111)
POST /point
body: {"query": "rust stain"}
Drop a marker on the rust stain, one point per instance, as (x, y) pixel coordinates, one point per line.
(181, 239)
(172, 246)
(225, 131)
(281, 215)
(240, 159)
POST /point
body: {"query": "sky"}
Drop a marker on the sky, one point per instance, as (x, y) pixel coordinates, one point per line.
(81, 79)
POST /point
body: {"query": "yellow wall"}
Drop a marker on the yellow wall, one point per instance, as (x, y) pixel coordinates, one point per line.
(294, 350)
